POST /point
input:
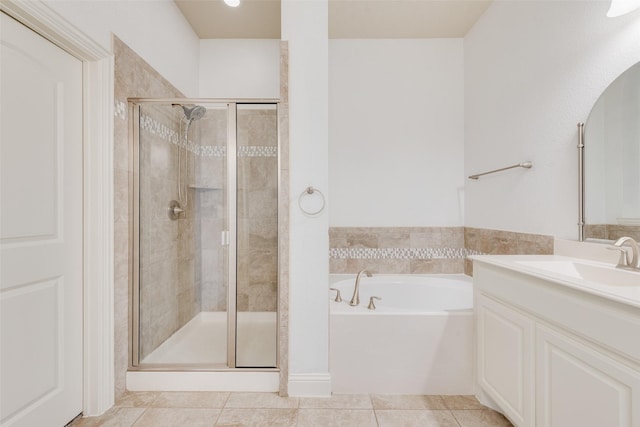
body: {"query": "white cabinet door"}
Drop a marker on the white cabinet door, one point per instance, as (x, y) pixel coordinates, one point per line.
(505, 358)
(578, 385)
(41, 230)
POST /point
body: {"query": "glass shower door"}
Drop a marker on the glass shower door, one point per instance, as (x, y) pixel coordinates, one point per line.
(180, 297)
(257, 235)
(205, 235)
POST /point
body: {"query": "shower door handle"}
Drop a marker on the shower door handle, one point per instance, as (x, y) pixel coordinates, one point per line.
(224, 238)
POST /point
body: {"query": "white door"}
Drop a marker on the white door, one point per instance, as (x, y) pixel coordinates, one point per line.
(41, 230)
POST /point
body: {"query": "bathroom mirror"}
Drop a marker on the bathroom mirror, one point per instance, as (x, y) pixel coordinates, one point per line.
(611, 178)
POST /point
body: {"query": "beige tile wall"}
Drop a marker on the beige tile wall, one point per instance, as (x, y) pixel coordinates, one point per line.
(169, 294)
(210, 179)
(612, 231)
(424, 250)
(407, 250)
(497, 242)
(133, 78)
(257, 272)
(283, 222)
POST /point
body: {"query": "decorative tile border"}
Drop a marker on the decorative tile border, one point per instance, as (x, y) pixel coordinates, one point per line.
(120, 110)
(402, 250)
(156, 128)
(213, 150)
(424, 249)
(257, 151)
(159, 129)
(400, 253)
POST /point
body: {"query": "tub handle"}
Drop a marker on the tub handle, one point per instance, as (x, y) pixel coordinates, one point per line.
(338, 297)
(371, 305)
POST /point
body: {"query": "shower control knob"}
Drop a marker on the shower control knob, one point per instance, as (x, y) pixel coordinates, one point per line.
(371, 305)
(338, 296)
(174, 210)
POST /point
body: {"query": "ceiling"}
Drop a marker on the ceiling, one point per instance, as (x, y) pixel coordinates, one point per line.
(348, 19)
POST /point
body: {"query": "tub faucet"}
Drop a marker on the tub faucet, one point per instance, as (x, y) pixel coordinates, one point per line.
(355, 299)
(625, 262)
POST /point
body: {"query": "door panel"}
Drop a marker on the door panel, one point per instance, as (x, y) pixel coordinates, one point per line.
(505, 358)
(41, 230)
(578, 385)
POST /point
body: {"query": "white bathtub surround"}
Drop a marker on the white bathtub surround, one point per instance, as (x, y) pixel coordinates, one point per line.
(419, 340)
(407, 293)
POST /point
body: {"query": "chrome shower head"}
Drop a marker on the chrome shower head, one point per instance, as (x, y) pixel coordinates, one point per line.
(194, 113)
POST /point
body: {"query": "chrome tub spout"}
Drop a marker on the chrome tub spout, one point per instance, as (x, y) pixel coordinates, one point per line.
(355, 299)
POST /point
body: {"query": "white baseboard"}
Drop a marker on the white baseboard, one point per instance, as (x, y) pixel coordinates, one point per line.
(310, 385)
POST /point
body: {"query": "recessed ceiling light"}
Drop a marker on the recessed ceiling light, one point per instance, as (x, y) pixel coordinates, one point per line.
(621, 7)
(232, 3)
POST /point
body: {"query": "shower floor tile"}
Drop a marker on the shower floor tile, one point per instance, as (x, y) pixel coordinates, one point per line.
(180, 409)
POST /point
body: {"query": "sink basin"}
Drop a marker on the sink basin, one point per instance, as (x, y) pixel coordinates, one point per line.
(595, 273)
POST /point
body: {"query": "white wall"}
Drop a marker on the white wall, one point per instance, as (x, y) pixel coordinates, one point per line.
(155, 30)
(246, 68)
(304, 25)
(396, 128)
(533, 70)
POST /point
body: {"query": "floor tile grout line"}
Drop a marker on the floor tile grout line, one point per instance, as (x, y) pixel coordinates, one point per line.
(222, 408)
(144, 410)
(456, 418)
(375, 415)
(154, 400)
(226, 401)
(449, 406)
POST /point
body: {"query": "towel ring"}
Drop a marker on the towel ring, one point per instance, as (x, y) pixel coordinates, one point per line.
(309, 191)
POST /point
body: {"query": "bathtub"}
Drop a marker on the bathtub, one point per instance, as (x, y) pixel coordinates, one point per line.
(418, 340)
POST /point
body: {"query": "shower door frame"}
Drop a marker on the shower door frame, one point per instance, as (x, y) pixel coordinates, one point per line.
(231, 203)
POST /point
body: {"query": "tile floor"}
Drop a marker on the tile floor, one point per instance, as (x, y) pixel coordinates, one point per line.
(190, 409)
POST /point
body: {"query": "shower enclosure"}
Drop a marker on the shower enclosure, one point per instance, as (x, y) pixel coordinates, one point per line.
(204, 234)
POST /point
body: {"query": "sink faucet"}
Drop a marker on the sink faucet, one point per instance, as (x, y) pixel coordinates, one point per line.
(624, 261)
(355, 299)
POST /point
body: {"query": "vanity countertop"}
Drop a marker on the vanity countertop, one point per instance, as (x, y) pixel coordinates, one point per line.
(596, 278)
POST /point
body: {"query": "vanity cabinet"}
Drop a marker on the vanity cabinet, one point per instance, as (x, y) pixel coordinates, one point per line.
(579, 385)
(505, 358)
(552, 356)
